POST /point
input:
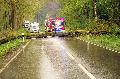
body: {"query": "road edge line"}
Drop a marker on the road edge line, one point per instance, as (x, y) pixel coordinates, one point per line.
(70, 56)
(107, 48)
(19, 51)
(85, 71)
(83, 68)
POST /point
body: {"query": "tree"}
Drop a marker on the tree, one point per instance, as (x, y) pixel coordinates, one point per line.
(95, 9)
(14, 12)
(84, 13)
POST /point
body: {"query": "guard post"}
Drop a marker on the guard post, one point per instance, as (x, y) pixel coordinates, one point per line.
(23, 37)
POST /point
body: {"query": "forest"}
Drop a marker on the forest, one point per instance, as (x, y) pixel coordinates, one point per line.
(93, 15)
(14, 12)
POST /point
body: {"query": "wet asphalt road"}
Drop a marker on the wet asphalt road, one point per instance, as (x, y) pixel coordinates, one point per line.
(49, 59)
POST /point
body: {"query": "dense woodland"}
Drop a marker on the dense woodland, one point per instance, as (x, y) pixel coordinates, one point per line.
(14, 12)
(94, 15)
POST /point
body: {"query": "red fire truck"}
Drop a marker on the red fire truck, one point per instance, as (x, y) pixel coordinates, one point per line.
(59, 25)
(54, 25)
(49, 25)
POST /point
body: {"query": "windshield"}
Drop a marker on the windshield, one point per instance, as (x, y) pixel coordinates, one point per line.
(59, 23)
(34, 27)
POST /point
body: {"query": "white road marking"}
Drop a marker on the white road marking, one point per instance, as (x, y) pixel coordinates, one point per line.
(2, 69)
(106, 48)
(113, 50)
(88, 73)
(84, 70)
(49, 36)
(116, 51)
(70, 56)
(97, 45)
(10, 61)
(33, 38)
(101, 46)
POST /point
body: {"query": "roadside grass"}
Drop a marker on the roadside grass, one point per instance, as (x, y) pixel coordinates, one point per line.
(109, 41)
(12, 44)
(9, 46)
(23, 30)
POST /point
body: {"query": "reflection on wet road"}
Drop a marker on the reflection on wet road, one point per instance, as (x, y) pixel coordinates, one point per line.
(102, 63)
(61, 58)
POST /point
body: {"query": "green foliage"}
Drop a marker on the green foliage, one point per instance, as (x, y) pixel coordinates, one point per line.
(110, 41)
(14, 12)
(12, 44)
(79, 14)
(23, 30)
(7, 47)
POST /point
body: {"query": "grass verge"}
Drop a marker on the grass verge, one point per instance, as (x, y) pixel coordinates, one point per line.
(109, 41)
(9, 46)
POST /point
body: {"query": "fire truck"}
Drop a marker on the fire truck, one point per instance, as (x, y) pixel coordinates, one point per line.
(54, 25)
(59, 25)
(49, 25)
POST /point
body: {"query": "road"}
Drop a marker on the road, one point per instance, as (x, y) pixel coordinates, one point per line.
(63, 58)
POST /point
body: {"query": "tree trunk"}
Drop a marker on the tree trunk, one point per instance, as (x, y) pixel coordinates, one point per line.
(95, 9)
(13, 15)
(5, 20)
